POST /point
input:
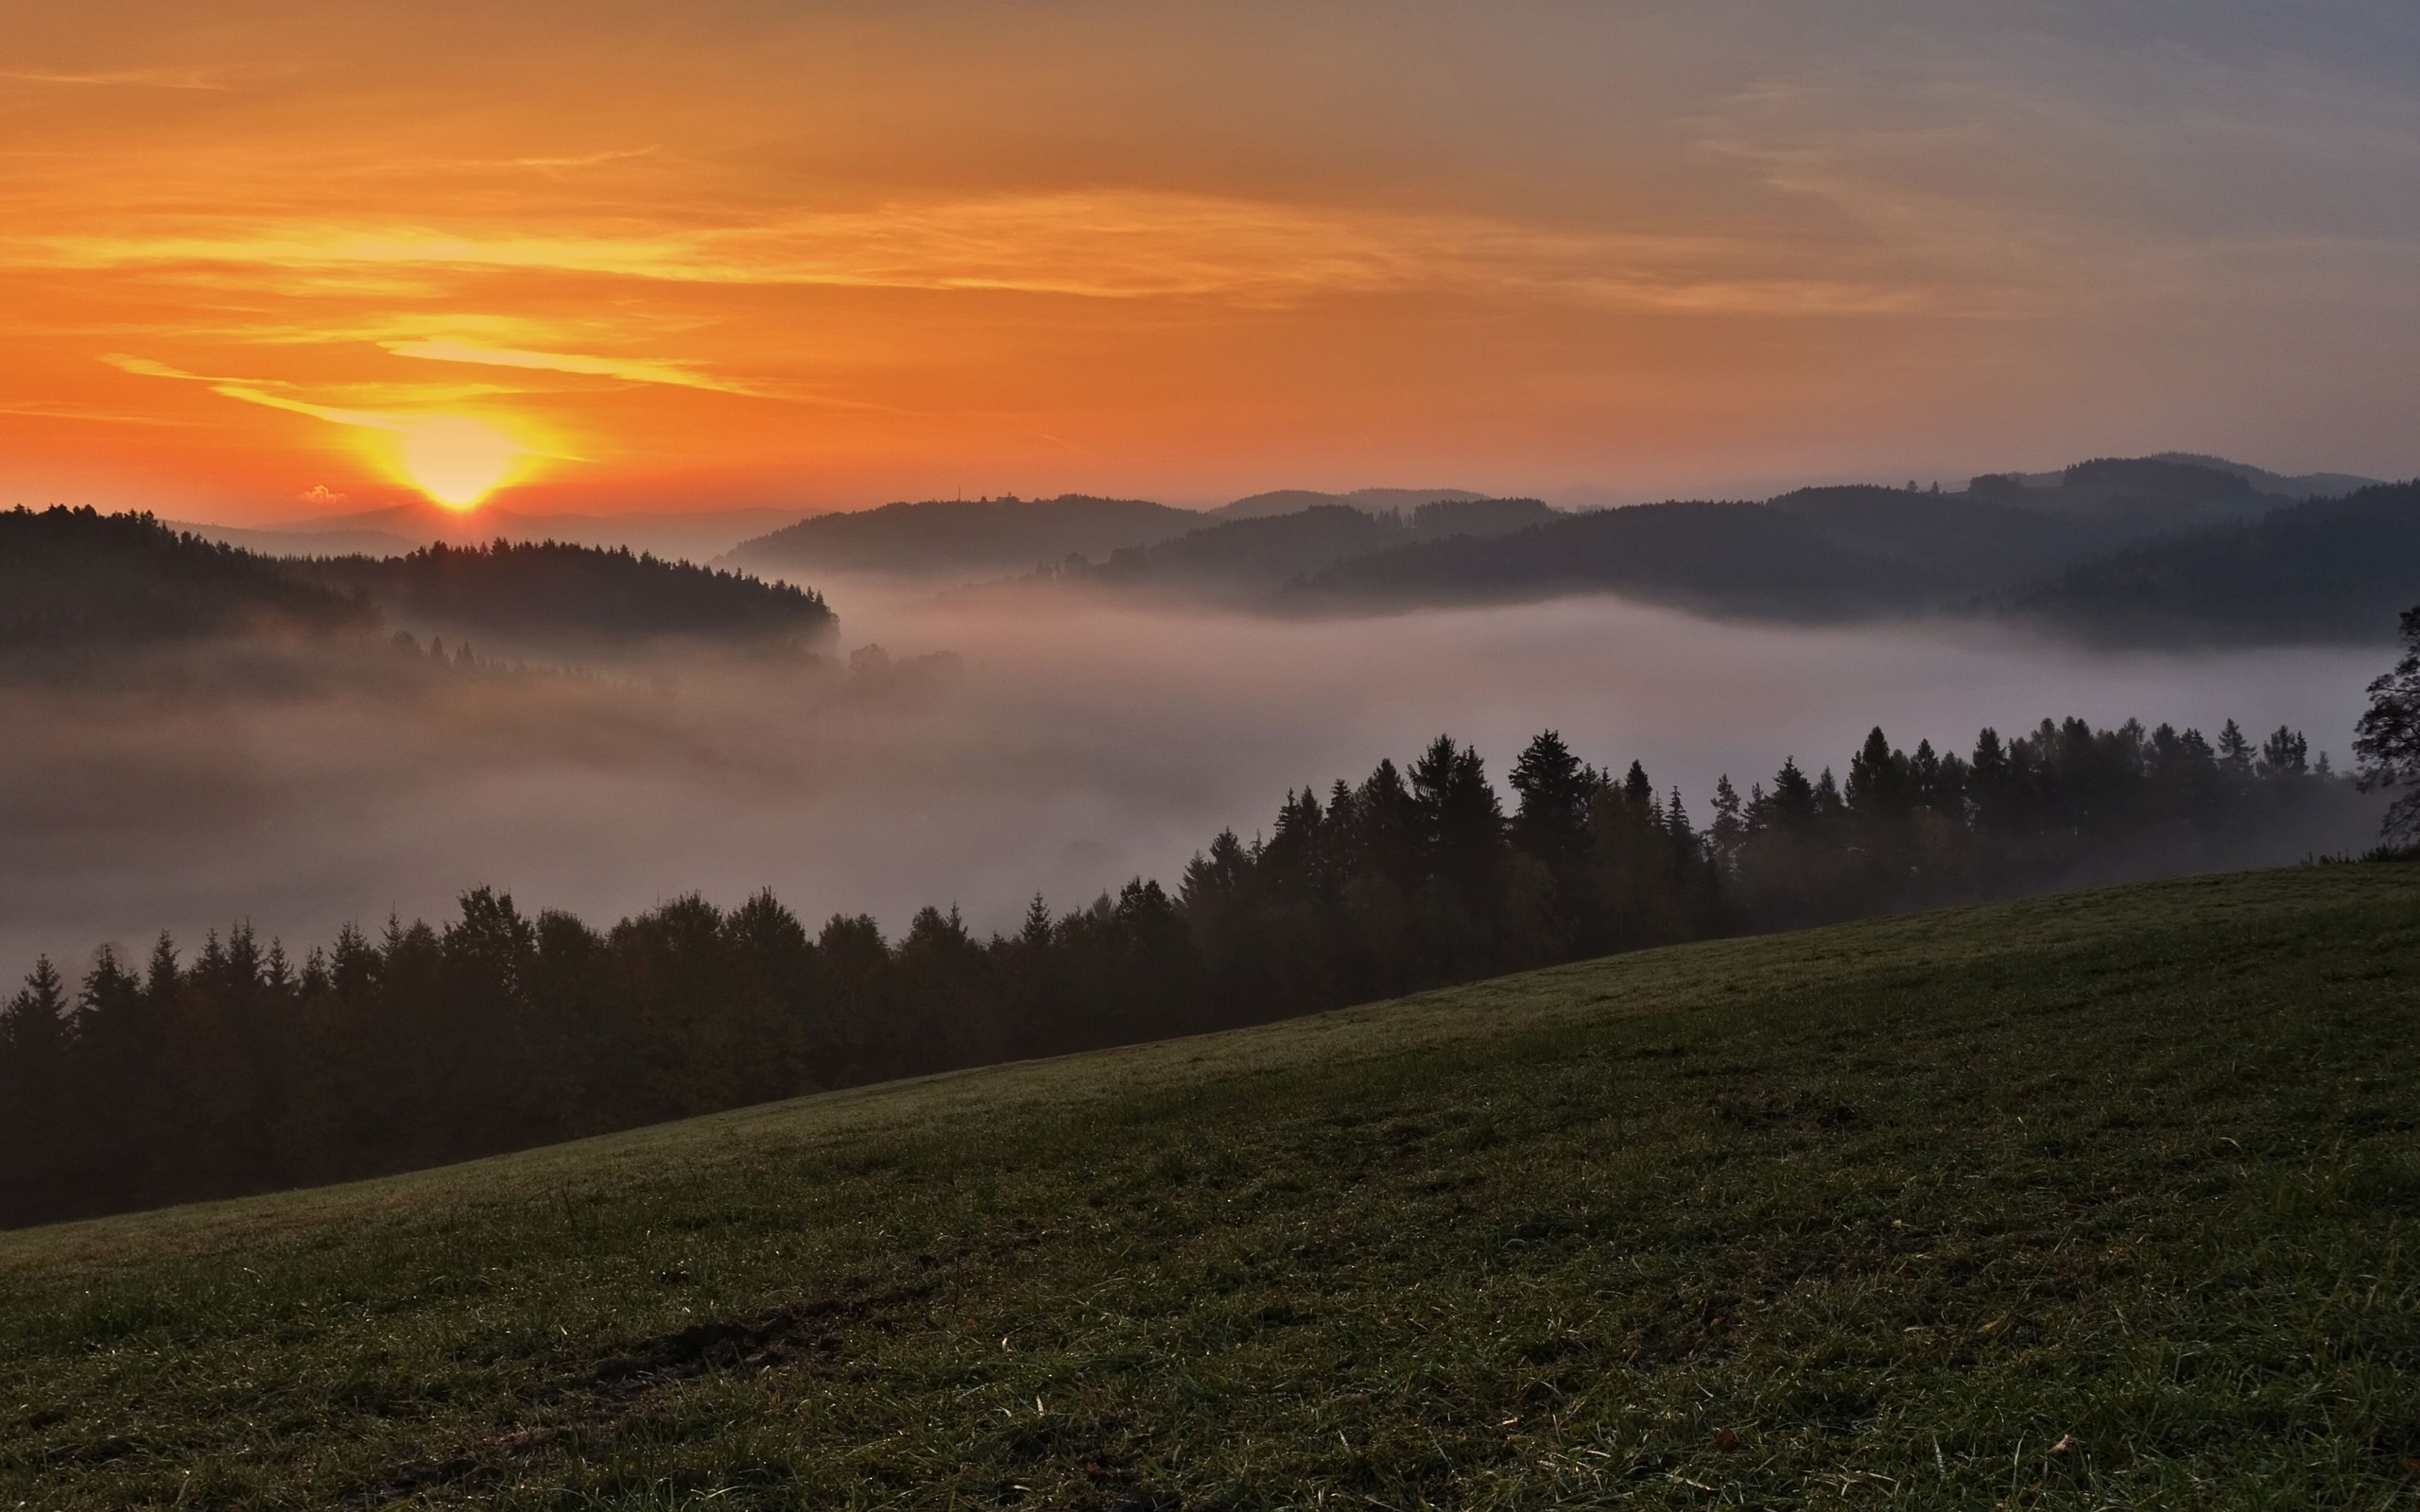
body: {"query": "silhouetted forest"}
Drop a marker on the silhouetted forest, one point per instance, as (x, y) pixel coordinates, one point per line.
(2324, 570)
(77, 587)
(238, 1067)
(557, 596)
(77, 580)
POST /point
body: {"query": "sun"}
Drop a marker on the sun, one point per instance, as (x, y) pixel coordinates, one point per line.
(457, 461)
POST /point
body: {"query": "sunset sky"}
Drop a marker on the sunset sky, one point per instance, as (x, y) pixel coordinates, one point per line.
(260, 261)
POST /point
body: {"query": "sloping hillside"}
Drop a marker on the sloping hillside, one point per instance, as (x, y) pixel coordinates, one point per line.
(2102, 1200)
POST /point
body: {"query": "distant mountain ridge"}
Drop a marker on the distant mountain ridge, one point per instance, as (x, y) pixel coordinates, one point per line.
(2165, 548)
(1247, 557)
(1370, 500)
(943, 537)
(1008, 536)
(2186, 530)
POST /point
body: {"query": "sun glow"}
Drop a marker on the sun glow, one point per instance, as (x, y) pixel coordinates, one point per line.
(457, 461)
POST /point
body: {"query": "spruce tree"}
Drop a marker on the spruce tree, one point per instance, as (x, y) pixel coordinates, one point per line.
(1552, 820)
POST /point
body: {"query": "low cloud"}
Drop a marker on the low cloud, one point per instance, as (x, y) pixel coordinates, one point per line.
(1084, 740)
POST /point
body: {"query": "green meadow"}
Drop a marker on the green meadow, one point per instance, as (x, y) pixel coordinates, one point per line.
(2091, 1200)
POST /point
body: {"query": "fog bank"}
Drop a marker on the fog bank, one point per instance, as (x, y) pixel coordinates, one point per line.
(1074, 743)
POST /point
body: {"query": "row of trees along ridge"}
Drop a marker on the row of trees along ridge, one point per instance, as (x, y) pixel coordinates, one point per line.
(160, 1079)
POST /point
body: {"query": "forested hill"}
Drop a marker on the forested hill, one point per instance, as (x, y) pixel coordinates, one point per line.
(555, 596)
(2336, 569)
(1247, 557)
(74, 580)
(984, 537)
(1716, 558)
(1816, 554)
(1862, 552)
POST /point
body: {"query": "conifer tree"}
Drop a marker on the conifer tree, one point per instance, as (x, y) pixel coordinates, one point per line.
(1728, 830)
(2234, 751)
(1552, 820)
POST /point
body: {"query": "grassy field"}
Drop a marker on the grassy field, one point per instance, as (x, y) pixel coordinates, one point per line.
(2091, 1200)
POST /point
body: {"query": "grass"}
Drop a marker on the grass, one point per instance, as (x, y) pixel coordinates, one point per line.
(2093, 1200)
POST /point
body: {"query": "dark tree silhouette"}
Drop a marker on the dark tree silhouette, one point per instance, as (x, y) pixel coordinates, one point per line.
(2387, 740)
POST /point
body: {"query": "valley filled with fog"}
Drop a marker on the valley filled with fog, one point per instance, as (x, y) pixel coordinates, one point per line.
(1017, 742)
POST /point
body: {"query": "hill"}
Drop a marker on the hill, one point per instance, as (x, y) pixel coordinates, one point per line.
(1713, 558)
(75, 580)
(1247, 557)
(1369, 501)
(2328, 569)
(2097, 1199)
(553, 597)
(2299, 485)
(1852, 552)
(79, 589)
(961, 537)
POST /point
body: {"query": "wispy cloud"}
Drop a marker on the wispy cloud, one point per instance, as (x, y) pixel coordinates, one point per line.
(43, 409)
(629, 370)
(588, 160)
(261, 391)
(1104, 245)
(130, 77)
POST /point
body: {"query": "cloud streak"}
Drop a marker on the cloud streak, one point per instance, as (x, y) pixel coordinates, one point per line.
(629, 370)
(1104, 246)
(260, 391)
(180, 78)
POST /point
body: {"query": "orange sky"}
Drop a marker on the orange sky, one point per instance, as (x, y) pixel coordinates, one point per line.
(714, 254)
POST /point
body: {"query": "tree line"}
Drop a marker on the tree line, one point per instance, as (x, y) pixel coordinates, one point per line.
(239, 1068)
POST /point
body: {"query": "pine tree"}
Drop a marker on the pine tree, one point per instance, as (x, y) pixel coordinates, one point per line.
(2235, 753)
(1461, 820)
(1552, 820)
(1793, 797)
(1729, 830)
(1036, 931)
(2285, 755)
(33, 1026)
(1676, 823)
(33, 1048)
(1880, 782)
